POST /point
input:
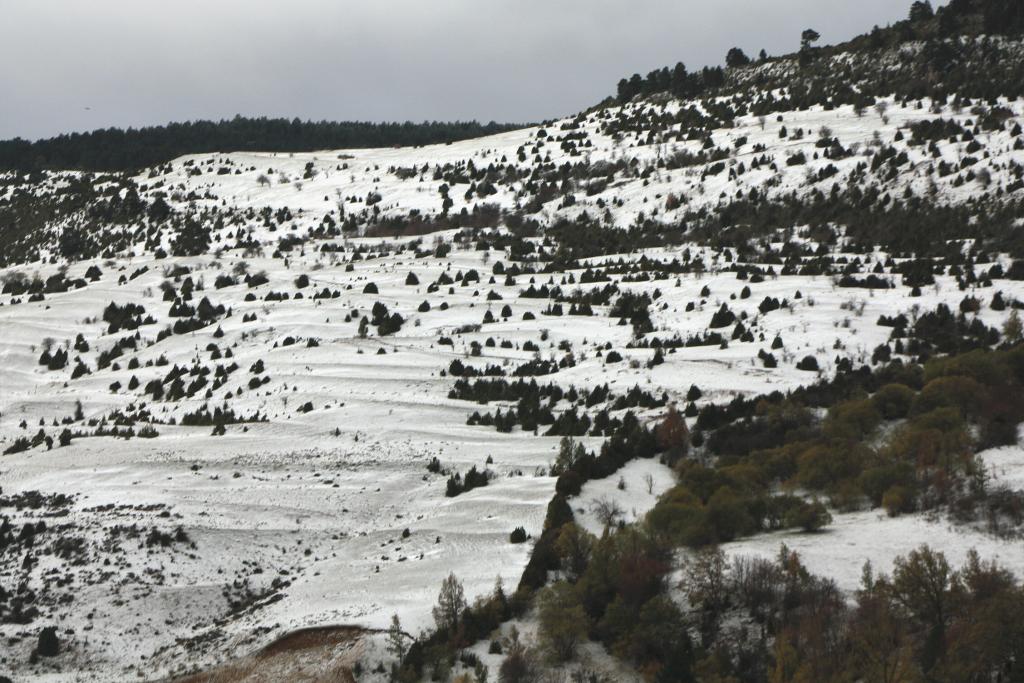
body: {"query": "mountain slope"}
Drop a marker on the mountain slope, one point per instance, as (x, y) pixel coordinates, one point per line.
(250, 392)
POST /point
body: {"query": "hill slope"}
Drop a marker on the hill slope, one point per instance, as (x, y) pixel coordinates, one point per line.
(250, 392)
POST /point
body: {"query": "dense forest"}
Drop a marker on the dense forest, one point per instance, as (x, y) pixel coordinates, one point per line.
(116, 149)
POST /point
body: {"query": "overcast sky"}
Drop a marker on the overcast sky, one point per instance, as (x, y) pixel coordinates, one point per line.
(71, 65)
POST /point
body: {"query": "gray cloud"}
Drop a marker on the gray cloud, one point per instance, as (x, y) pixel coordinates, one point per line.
(73, 65)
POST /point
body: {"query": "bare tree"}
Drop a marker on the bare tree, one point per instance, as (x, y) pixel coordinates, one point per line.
(607, 511)
(882, 107)
(450, 603)
(705, 585)
(520, 664)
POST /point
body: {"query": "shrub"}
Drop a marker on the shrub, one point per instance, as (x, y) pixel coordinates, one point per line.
(49, 643)
(963, 393)
(569, 484)
(898, 500)
(728, 515)
(876, 481)
(893, 401)
(20, 444)
(823, 465)
(852, 420)
(808, 364)
(562, 620)
(809, 516)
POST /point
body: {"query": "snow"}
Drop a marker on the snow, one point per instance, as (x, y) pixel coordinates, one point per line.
(841, 550)
(321, 499)
(366, 171)
(1005, 464)
(634, 500)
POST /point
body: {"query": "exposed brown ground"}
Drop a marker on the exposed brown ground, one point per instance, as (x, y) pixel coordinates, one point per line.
(313, 655)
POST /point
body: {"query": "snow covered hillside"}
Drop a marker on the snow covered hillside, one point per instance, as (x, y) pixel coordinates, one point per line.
(221, 423)
(648, 161)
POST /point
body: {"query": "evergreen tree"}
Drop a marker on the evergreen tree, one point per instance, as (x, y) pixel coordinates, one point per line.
(736, 58)
(116, 149)
(396, 639)
(679, 79)
(808, 38)
(193, 239)
(921, 10)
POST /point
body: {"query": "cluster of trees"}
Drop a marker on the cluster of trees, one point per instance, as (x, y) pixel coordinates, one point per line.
(536, 406)
(457, 484)
(116, 149)
(909, 226)
(935, 417)
(937, 28)
(921, 622)
(960, 17)
(458, 624)
(678, 81)
(747, 620)
(614, 590)
(925, 621)
(97, 214)
(942, 331)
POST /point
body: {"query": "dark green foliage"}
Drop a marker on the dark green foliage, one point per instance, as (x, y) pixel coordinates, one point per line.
(810, 516)
(808, 364)
(634, 308)
(457, 484)
(49, 643)
(820, 82)
(193, 239)
(736, 57)
(114, 149)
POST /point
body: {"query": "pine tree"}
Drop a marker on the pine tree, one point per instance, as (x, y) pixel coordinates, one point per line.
(807, 38)
(921, 10)
(396, 639)
(735, 58)
(679, 79)
(193, 239)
